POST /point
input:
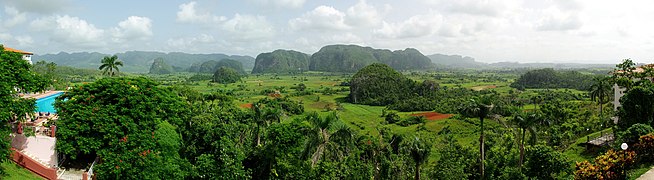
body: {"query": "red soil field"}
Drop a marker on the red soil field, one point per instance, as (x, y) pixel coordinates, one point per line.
(248, 105)
(433, 115)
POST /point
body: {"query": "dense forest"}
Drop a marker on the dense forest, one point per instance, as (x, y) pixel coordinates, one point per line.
(549, 78)
(315, 125)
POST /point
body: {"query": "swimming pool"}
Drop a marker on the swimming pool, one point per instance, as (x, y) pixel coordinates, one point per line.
(46, 104)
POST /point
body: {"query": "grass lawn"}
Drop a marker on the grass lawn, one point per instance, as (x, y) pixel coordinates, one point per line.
(636, 172)
(577, 153)
(14, 171)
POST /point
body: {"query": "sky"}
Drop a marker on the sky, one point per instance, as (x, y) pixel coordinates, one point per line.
(590, 31)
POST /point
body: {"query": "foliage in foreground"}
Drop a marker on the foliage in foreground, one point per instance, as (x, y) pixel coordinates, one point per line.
(126, 123)
(15, 74)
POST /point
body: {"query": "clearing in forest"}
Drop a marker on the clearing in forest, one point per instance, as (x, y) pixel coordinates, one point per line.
(433, 115)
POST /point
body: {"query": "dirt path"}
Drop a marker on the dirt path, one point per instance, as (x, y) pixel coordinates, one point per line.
(648, 175)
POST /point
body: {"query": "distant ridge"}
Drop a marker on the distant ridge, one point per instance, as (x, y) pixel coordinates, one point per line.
(465, 62)
(351, 58)
(139, 61)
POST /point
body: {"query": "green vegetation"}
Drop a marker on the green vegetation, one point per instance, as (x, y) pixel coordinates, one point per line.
(308, 125)
(14, 172)
(126, 122)
(549, 78)
(16, 77)
(159, 66)
(226, 75)
(378, 84)
(211, 66)
(281, 61)
(140, 61)
(110, 65)
(351, 58)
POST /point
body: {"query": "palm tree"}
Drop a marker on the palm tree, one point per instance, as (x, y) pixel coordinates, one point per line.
(109, 64)
(481, 108)
(326, 138)
(419, 151)
(537, 99)
(526, 122)
(600, 91)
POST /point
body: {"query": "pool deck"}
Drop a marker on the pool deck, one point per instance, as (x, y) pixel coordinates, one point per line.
(40, 95)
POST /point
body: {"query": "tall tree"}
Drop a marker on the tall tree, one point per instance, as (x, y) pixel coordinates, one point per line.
(419, 152)
(15, 77)
(120, 120)
(479, 107)
(624, 73)
(637, 106)
(326, 138)
(110, 65)
(600, 91)
(526, 122)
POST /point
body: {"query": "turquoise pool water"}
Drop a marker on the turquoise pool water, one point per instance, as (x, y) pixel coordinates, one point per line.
(46, 104)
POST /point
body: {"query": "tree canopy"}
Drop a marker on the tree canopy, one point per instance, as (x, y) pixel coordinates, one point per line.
(226, 75)
(550, 78)
(15, 76)
(110, 65)
(126, 123)
(378, 84)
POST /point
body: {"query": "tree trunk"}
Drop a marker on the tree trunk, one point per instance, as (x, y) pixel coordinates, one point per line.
(481, 147)
(601, 109)
(417, 176)
(258, 136)
(522, 148)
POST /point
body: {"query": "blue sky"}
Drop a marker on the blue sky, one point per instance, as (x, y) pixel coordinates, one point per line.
(600, 31)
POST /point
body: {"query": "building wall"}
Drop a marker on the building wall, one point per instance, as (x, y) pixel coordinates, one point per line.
(28, 58)
(618, 92)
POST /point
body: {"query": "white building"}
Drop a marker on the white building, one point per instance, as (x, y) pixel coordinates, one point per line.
(27, 56)
(618, 91)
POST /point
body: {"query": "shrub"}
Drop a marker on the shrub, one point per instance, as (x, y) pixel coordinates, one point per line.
(412, 120)
(632, 134)
(225, 75)
(607, 166)
(392, 117)
(645, 148)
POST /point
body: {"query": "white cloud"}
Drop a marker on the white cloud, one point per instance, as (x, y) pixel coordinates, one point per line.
(189, 14)
(190, 42)
(280, 3)
(16, 17)
(24, 40)
(38, 6)
(557, 20)
(71, 31)
(134, 27)
(472, 7)
(362, 14)
(415, 26)
(248, 27)
(345, 38)
(14, 41)
(322, 18)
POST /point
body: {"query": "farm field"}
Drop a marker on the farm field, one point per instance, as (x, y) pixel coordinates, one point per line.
(327, 96)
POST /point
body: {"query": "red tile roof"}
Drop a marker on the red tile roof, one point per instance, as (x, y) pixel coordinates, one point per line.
(16, 50)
